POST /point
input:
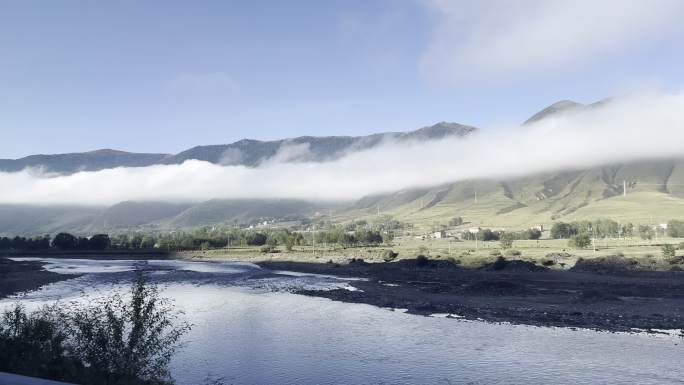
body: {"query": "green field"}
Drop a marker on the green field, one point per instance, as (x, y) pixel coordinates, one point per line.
(468, 253)
(647, 207)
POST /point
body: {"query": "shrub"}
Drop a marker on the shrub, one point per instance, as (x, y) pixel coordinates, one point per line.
(506, 242)
(548, 262)
(495, 253)
(680, 246)
(421, 260)
(110, 342)
(513, 253)
(34, 345)
(580, 241)
(668, 251)
(499, 264)
(268, 249)
(454, 261)
(389, 256)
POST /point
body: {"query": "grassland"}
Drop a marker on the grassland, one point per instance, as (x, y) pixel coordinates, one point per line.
(494, 209)
(468, 253)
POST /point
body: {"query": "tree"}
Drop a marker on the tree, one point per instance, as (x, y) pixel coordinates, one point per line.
(100, 242)
(65, 241)
(668, 251)
(675, 229)
(506, 241)
(256, 239)
(579, 241)
(113, 341)
(289, 243)
(127, 341)
(534, 234)
(455, 221)
(561, 230)
(646, 232)
(147, 242)
(489, 235)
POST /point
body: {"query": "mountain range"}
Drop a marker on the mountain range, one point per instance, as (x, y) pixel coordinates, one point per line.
(646, 191)
(246, 152)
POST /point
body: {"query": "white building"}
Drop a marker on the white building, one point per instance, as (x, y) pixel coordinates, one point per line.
(439, 234)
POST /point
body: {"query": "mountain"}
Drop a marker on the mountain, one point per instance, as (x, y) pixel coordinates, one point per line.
(641, 192)
(653, 192)
(561, 107)
(246, 152)
(242, 211)
(84, 161)
(130, 214)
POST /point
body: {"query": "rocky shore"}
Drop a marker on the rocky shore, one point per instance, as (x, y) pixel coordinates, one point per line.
(21, 276)
(602, 296)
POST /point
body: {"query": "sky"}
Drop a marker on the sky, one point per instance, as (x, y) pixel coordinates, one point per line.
(164, 76)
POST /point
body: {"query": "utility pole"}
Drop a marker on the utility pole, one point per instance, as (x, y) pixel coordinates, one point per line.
(313, 239)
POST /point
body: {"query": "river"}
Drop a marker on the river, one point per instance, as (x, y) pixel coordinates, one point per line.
(249, 329)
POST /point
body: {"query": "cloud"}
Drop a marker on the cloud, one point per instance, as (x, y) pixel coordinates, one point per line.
(646, 126)
(498, 39)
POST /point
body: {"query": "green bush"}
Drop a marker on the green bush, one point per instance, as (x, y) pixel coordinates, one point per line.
(579, 241)
(421, 260)
(668, 251)
(389, 256)
(506, 241)
(513, 253)
(109, 342)
(268, 249)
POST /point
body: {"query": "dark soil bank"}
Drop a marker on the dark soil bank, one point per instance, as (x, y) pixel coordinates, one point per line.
(517, 292)
(16, 277)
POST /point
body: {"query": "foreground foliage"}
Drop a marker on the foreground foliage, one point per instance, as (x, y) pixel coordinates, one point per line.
(112, 341)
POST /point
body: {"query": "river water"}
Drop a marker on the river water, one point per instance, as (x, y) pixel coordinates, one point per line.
(249, 329)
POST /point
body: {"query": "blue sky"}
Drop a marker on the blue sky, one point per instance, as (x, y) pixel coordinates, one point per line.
(163, 76)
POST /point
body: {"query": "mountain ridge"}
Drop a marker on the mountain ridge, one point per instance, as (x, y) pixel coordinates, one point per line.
(246, 152)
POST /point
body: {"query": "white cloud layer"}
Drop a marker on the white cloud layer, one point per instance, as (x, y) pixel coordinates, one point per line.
(494, 38)
(639, 127)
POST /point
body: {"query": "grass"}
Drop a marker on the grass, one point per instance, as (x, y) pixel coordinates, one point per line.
(640, 207)
(469, 253)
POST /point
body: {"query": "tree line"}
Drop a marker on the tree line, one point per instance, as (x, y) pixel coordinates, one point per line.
(62, 241)
(603, 228)
(201, 239)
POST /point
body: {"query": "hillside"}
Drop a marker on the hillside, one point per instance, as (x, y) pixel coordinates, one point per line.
(653, 191)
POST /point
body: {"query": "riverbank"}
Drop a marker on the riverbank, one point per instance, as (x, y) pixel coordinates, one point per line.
(513, 291)
(21, 276)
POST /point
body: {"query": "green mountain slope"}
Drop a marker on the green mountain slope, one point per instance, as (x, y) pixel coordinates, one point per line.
(654, 192)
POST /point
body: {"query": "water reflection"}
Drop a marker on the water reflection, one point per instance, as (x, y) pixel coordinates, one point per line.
(249, 329)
